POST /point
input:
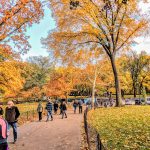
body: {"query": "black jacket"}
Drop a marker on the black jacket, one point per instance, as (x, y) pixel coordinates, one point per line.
(2, 110)
(63, 107)
(12, 114)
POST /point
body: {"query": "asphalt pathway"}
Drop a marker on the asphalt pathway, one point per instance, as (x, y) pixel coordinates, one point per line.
(59, 134)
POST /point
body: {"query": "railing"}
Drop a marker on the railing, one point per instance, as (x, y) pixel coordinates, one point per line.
(96, 144)
(27, 116)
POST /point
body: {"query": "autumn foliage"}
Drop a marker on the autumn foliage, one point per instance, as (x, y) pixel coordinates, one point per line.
(15, 17)
(88, 49)
(110, 25)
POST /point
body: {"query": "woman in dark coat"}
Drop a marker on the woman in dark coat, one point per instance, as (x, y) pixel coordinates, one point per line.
(55, 107)
(64, 109)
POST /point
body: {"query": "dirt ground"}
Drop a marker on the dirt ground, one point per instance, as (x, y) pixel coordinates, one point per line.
(59, 134)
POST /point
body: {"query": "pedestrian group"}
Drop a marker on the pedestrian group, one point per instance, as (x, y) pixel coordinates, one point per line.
(12, 114)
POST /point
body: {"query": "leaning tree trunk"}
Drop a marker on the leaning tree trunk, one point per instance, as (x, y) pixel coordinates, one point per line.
(117, 86)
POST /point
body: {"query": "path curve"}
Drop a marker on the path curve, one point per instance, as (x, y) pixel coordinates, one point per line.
(59, 134)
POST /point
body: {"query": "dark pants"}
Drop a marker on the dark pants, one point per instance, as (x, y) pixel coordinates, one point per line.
(80, 109)
(40, 116)
(64, 113)
(14, 126)
(75, 107)
(4, 146)
(60, 111)
(55, 110)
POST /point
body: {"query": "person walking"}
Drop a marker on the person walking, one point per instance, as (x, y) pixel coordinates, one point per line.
(64, 109)
(80, 106)
(49, 108)
(60, 107)
(55, 107)
(40, 110)
(1, 108)
(3, 132)
(11, 114)
(75, 104)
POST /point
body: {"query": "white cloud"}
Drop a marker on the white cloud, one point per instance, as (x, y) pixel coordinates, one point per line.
(144, 44)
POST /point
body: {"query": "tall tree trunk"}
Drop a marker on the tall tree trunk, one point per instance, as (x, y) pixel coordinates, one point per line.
(117, 85)
(93, 88)
(134, 89)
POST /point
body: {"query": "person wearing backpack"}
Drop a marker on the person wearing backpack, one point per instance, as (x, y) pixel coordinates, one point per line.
(40, 110)
(3, 132)
(55, 107)
(80, 106)
(60, 107)
(49, 108)
(75, 104)
(64, 109)
(11, 115)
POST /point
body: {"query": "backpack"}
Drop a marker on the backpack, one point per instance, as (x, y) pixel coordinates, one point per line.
(3, 130)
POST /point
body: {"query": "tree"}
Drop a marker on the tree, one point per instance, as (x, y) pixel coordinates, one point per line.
(138, 67)
(11, 81)
(15, 17)
(36, 72)
(62, 82)
(110, 24)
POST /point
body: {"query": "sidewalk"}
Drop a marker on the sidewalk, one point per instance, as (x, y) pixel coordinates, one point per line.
(59, 134)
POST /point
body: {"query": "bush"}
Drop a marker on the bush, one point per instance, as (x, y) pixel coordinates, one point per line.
(124, 128)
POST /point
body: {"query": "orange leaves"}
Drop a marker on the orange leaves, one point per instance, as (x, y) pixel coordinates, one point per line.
(15, 17)
(62, 82)
(10, 78)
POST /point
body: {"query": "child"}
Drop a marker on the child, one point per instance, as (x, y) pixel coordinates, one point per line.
(3, 132)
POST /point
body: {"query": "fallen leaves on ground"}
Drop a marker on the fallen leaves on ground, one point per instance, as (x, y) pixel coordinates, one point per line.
(123, 128)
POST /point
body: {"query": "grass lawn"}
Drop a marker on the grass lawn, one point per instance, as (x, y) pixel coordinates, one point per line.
(125, 128)
(28, 111)
(26, 106)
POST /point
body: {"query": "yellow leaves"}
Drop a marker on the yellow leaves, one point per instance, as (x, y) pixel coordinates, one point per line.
(122, 128)
(10, 78)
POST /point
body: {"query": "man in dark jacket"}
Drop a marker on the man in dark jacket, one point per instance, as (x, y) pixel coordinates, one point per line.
(49, 108)
(11, 114)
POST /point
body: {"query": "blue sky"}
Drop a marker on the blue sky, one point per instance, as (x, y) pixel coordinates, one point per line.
(36, 32)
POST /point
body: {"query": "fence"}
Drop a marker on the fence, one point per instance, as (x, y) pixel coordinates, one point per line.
(27, 116)
(91, 134)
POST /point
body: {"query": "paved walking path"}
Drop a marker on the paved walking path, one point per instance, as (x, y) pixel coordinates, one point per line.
(59, 134)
